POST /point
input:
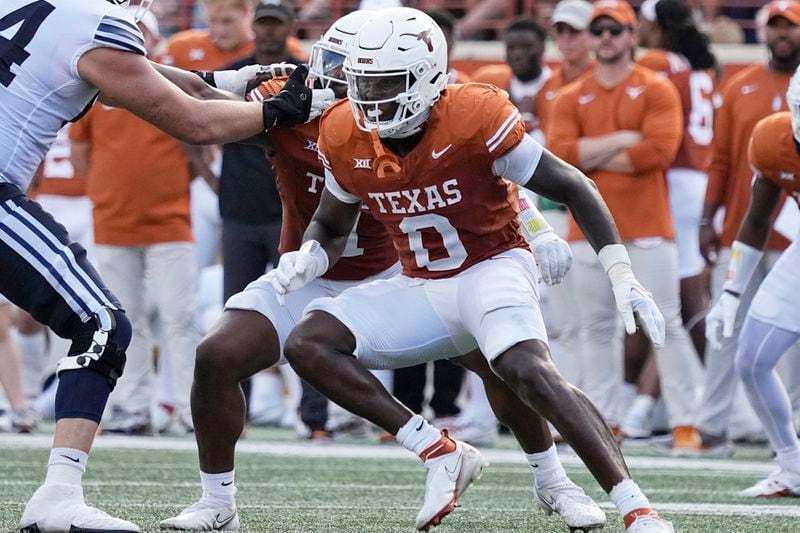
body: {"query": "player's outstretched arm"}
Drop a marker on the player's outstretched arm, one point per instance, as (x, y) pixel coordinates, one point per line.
(129, 81)
(192, 84)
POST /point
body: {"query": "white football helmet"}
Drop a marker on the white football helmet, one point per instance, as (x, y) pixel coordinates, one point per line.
(396, 70)
(139, 8)
(793, 101)
(328, 53)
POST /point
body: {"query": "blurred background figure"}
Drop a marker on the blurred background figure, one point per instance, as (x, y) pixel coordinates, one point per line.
(677, 51)
(251, 218)
(524, 73)
(622, 126)
(138, 181)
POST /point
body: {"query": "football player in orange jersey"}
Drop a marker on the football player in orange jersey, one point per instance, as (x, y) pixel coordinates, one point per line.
(427, 160)
(254, 327)
(772, 324)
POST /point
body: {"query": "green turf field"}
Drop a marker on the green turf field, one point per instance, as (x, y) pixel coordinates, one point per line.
(357, 486)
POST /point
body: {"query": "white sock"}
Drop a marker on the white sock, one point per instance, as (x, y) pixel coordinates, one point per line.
(627, 496)
(219, 488)
(66, 466)
(789, 459)
(546, 466)
(417, 435)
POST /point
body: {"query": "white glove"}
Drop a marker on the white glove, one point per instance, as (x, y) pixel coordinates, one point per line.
(553, 255)
(633, 300)
(296, 269)
(321, 99)
(722, 318)
(238, 81)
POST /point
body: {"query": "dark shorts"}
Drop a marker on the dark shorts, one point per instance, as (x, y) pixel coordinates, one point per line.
(42, 271)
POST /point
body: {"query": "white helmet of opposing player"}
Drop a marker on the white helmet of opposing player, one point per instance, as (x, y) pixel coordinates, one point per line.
(793, 101)
(139, 8)
(396, 70)
(328, 53)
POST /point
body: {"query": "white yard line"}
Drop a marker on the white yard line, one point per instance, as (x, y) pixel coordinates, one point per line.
(355, 451)
(666, 508)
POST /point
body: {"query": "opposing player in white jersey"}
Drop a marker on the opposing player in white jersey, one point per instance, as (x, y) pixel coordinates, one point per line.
(772, 324)
(56, 56)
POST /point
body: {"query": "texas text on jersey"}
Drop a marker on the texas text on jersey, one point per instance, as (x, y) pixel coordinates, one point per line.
(444, 209)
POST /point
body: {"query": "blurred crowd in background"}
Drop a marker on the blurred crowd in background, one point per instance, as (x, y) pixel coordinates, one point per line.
(175, 230)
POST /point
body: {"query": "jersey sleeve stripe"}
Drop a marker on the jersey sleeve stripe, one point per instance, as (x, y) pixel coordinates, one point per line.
(114, 31)
(503, 132)
(122, 22)
(113, 43)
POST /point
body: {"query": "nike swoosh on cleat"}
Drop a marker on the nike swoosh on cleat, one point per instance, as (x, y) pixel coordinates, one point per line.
(73, 459)
(453, 474)
(221, 523)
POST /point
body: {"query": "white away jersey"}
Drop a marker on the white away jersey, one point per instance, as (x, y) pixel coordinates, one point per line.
(40, 44)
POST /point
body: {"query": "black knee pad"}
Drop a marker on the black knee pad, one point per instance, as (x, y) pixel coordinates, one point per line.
(100, 345)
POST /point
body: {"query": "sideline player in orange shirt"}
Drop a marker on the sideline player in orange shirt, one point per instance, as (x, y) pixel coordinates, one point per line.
(678, 51)
(427, 160)
(772, 324)
(622, 126)
(747, 97)
(251, 334)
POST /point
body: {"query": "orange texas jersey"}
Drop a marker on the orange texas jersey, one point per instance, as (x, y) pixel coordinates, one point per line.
(773, 152)
(443, 207)
(642, 102)
(299, 177)
(696, 88)
(749, 96)
(56, 175)
(194, 50)
(550, 89)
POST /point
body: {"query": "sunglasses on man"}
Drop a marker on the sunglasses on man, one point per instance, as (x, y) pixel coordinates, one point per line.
(614, 29)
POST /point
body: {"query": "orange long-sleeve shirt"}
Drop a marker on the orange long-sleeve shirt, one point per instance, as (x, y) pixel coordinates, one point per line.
(749, 96)
(551, 88)
(643, 102)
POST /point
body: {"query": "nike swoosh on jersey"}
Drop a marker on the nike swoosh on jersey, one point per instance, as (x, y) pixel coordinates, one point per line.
(747, 89)
(585, 98)
(437, 155)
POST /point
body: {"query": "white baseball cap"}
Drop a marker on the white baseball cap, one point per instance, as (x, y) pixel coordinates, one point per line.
(574, 13)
